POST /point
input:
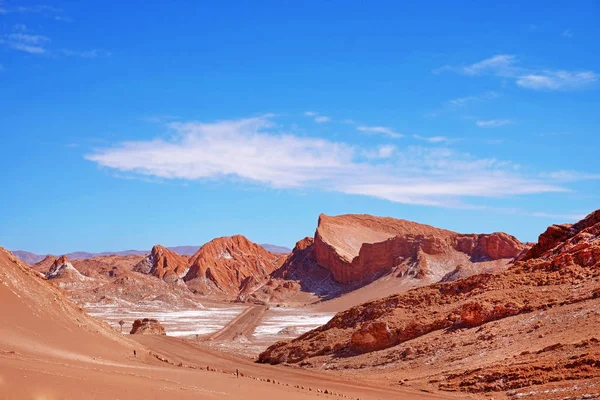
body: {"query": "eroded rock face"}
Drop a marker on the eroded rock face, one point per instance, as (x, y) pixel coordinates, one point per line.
(567, 273)
(361, 247)
(147, 326)
(372, 336)
(302, 267)
(62, 268)
(164, 264)
(225, 263)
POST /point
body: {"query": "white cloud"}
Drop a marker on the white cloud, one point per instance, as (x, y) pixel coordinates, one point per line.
(379, 130)
(501, 64)
(463, 101)
(493, 123)
(33, 44)
(554, 217)
(558, 80)
(27, 38)
(570, 176)
(433, 139)
(255, 150)
(382, 152)
(318, 118)
(322, 119)
(505, 65)
(85, 54)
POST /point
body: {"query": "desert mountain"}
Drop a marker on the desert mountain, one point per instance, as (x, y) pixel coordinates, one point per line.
(380, 256)
(362, 247)
(536, 323)
(223, 264)
(33, 258)
(62, 268)
(164, 264)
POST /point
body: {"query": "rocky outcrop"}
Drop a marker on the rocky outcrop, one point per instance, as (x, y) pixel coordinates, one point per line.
(223, 264)
(62, 268)
(362, 247)
(147, 326)
(372, 336)
(302, 267)
(164, 264)
(567, 273)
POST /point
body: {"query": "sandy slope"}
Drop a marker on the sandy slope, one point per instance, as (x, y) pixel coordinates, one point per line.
(50, 349)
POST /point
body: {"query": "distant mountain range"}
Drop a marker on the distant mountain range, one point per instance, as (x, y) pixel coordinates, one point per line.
(32, 258)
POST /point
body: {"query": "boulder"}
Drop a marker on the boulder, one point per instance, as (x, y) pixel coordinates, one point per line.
(147, 326)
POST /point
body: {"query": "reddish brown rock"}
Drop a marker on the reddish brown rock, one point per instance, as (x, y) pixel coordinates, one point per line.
(372, 336)
(63, 269)
(164, 264)
(362, 247)
(224, 263)
(568, 273)
(147, 326)
(302, 267)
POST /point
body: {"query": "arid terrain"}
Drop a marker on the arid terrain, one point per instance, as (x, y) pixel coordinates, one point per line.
(370, 307)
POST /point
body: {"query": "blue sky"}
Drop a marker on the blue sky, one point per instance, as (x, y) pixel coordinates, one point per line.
(133, 123)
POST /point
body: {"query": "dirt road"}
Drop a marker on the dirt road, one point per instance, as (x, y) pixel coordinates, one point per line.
(243, 324)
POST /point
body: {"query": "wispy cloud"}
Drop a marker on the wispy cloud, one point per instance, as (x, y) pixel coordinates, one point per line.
(383, 130)
(255, 150)
(322, 119)
(85, 54)
(463, 101)
(382, 152)
(554, 217)
(36, 9)
(318, 118)
(33, 44)
(21, 38)
(558, 80)
(568, 33)
(501, 64)
(433, 139)
(159, 118)
(506, 66)
(493, 123)
(570, 176)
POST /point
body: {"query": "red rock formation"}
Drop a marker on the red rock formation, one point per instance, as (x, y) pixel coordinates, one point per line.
(566, 272)
(302, 267)
(224, 263)
(164, 264)
(372, 336)
(362, 247)
(62, 268)
(147, 326)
